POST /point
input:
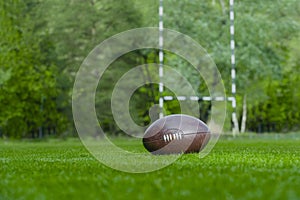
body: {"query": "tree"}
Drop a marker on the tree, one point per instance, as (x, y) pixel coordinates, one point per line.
(76, 27)
(28, 85)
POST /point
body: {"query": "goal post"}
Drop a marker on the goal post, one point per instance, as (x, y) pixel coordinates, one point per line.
(232, 98)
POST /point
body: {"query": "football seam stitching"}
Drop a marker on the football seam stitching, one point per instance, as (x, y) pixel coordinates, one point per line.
(172, 136)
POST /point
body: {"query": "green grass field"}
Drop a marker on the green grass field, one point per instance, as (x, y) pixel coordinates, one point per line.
(237, 168)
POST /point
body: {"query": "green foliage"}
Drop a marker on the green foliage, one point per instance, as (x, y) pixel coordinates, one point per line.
(42, 47)
(236, 169)
(43, 43)
(28, 85)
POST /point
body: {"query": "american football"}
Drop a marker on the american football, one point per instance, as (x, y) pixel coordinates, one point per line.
(176, 134)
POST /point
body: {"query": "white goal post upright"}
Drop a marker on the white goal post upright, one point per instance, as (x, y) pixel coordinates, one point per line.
(163, 98)
(233, 71)
(161, 59)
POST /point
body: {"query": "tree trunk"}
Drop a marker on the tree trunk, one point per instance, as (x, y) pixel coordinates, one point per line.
(244, 117)
(223, 7)
(235, 129)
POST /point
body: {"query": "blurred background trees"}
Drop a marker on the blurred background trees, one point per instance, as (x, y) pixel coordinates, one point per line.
(43, 43)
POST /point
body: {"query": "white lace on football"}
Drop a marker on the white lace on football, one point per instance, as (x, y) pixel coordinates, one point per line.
(172, 136)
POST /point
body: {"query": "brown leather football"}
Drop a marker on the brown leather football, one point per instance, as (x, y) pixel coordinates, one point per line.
(175, 134)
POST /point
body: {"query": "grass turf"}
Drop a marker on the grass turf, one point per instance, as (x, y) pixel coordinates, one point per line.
(240, 168)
